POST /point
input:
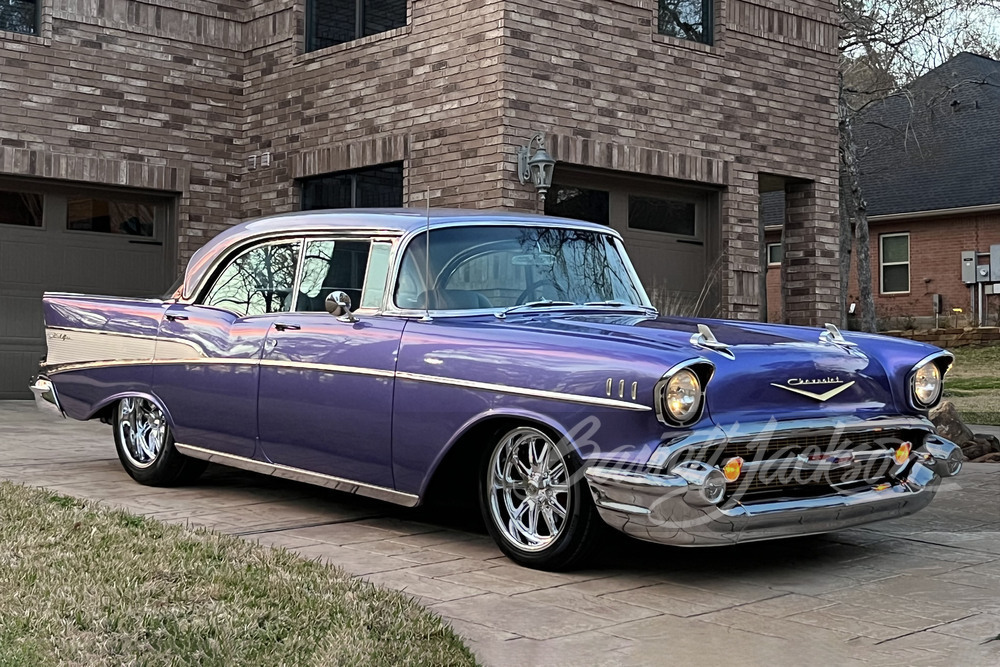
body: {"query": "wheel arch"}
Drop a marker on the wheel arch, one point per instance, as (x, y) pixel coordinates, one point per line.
(465, 449)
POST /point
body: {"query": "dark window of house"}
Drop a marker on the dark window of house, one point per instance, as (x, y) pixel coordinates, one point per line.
(662, 215)
(578, 203)
(774, 253)
(20, 208)
(19, 16)
(337, 21)
(88, 214)
(376, 187)
(686, 19)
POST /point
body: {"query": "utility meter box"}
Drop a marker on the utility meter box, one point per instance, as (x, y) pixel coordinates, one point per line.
(968, 266)
(995, 263)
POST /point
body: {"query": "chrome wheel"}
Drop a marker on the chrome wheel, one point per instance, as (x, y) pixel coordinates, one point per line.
(528, 489)
(142, 430)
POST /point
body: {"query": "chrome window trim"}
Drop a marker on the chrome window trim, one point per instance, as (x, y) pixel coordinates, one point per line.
(293, 232)
(301, 475)
(388, 303)
(911, 396)
(208, 287)
(301, 263)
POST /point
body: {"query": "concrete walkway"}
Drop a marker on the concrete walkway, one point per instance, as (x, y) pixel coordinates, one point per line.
(922, 590)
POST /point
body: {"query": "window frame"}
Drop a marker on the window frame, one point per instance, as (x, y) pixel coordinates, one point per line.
(359, 24)
(707, 22)
(199, 299)
(300, 268)
(353, 174)
(36, 22)
(42, 195)
(882, 263)
(770, 246)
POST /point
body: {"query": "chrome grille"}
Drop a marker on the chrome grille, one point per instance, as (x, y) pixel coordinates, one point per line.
(770, 462)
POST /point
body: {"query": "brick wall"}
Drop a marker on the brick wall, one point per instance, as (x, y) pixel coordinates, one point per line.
(936, 246)
(139, 95)
(760, 100)
(190, 90)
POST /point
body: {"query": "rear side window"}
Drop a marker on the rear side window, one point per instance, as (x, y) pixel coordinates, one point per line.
(257, 282)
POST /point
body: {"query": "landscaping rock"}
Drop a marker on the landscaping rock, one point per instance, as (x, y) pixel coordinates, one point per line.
(977, 448)
(949, 424)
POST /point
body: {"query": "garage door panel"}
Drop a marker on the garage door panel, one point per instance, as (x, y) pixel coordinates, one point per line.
(21, 317)
(17, 365)
(21, 263)
(121, 270)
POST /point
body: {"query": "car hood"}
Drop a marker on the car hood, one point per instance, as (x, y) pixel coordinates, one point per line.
(770, 371)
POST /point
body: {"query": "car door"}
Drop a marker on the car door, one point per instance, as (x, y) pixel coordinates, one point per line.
(207, 357)
(326, 384)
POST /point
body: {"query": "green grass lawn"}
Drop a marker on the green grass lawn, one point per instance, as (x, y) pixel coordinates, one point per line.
(973, 384)
(80, 584)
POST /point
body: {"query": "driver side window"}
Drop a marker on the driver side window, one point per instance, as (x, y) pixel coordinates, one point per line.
(257, 282)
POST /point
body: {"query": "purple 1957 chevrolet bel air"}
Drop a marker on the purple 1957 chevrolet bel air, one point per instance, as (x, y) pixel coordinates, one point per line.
(508, 360)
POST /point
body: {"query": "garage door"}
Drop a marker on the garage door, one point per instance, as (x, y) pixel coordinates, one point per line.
(670, 232)
(88, 241)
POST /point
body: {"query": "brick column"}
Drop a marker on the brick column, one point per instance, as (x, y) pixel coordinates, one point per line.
(810, 274)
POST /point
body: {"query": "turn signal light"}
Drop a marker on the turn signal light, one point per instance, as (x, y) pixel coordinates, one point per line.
(902, 453)
(732, 469)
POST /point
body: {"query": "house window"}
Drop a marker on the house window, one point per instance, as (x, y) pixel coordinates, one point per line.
(89, 214)
(894, 259)
(19, 16)
(686, 19)
(337, 21)
(774, 253)
(375, 187)
(20, 208)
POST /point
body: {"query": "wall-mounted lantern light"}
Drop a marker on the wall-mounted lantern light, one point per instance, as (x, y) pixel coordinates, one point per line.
(537, 168)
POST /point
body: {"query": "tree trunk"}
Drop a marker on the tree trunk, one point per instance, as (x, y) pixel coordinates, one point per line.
(857, 205)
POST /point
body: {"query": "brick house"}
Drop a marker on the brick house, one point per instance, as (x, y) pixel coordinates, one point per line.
(931, 176)
(132, 132)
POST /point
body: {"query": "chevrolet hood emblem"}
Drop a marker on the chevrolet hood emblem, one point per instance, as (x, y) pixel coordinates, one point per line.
(795, 386)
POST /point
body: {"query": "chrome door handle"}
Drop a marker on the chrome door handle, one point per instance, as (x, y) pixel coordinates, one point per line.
(175, 318)
(286, 327)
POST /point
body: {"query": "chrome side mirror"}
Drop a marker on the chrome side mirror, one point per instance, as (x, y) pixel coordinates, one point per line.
(338, 304)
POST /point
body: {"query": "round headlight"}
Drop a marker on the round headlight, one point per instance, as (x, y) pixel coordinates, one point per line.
(682, 396)
(927, 384)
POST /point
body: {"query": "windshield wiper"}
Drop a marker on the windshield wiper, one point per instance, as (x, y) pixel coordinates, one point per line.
(619, 304)
(532, 304)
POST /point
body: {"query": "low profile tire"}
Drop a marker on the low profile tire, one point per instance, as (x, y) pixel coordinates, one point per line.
(535, 502)
(146, 447)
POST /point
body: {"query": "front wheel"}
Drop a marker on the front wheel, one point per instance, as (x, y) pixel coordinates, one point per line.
(146, 447)
(535, 503)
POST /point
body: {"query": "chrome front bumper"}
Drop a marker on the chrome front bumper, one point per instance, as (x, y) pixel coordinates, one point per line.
(660, 507)
(46, 398)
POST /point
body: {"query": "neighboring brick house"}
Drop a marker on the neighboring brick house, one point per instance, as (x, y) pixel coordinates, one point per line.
(130, 132)
(930, 163)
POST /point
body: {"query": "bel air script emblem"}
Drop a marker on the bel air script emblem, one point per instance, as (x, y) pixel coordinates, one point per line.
(796, 385)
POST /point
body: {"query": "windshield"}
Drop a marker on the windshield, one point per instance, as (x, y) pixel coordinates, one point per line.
(499, 267)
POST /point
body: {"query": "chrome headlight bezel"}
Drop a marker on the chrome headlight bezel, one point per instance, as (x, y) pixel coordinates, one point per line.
(701, 370)
(938, 363)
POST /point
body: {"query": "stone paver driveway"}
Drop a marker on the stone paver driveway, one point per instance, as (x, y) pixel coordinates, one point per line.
(923, 590)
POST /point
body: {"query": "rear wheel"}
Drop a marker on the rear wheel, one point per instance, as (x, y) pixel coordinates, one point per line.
(534, 501)
(146, 447)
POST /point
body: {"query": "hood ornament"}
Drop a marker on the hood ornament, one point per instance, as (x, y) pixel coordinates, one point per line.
(794, 385)
(705, 338)
(832, 336)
